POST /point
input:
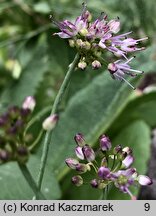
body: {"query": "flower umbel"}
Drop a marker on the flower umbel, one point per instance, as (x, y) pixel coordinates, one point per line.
(94, 38)
(107, 166)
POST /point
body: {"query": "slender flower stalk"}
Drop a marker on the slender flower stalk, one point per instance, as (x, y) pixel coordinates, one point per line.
(54, 110)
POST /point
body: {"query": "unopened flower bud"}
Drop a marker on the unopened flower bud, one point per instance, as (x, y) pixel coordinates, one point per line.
(84, 32)
(29, 103)
(79, 43)
(4, 155)
(97, 184)
(81, 168)
(79, 152)
(117, 149)
(22, 154)
(104, 173)
(104, 162)
(82, 65)
(127, 150)
(105, 143)
(71, 163)
(94, 183)
(96, 64)
(88, 153)
(112, 68)
(50, 122)
(86, 45)
(71, 43)
(144, 180)
(77, 180)
(89, 16)
(79, 139)
(127, 162)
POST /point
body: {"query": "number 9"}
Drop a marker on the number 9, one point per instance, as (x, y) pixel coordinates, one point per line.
(147, 206)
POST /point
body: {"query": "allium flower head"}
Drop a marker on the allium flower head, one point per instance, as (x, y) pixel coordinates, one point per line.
(106, 167)
(94, 38)
(13, 127)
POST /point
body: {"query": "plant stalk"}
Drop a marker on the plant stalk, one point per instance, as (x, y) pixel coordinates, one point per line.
(54, 110)
(31, 181)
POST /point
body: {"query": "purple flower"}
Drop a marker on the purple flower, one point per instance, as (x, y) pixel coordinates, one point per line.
(69, 29)
(104, 172)
(79, 152)
(144, 180)
(105, 143)
(118, 70)
(88, 153)
(127, 162)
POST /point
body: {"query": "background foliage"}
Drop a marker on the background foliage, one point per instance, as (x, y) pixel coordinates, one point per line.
(33, 62)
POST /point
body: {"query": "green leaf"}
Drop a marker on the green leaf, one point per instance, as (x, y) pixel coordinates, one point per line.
(138, 137)
(14, 186)
(140, 108)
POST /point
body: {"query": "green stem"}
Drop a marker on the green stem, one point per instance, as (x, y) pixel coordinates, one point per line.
(36, 118)
(53, 111)
(31, 181)
(36, 141)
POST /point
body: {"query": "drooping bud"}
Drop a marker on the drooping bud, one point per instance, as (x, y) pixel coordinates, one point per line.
(96, 64)
(71, 163)
(104, 173)
(88, 153)
(82, 65)
(79, 152)
(79, 139)
(81, 168)
(144, 180)
(105, 143)
(77, 180)
(29, 103)
(50, 122)
(127, 162)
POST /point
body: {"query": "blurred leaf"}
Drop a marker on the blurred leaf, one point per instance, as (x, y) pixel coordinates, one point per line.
(138, 137)
(140, 108)
(14, 186)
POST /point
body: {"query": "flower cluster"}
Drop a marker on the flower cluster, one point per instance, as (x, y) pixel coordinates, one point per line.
(108, 165)
(92, 39)
(12, 125)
